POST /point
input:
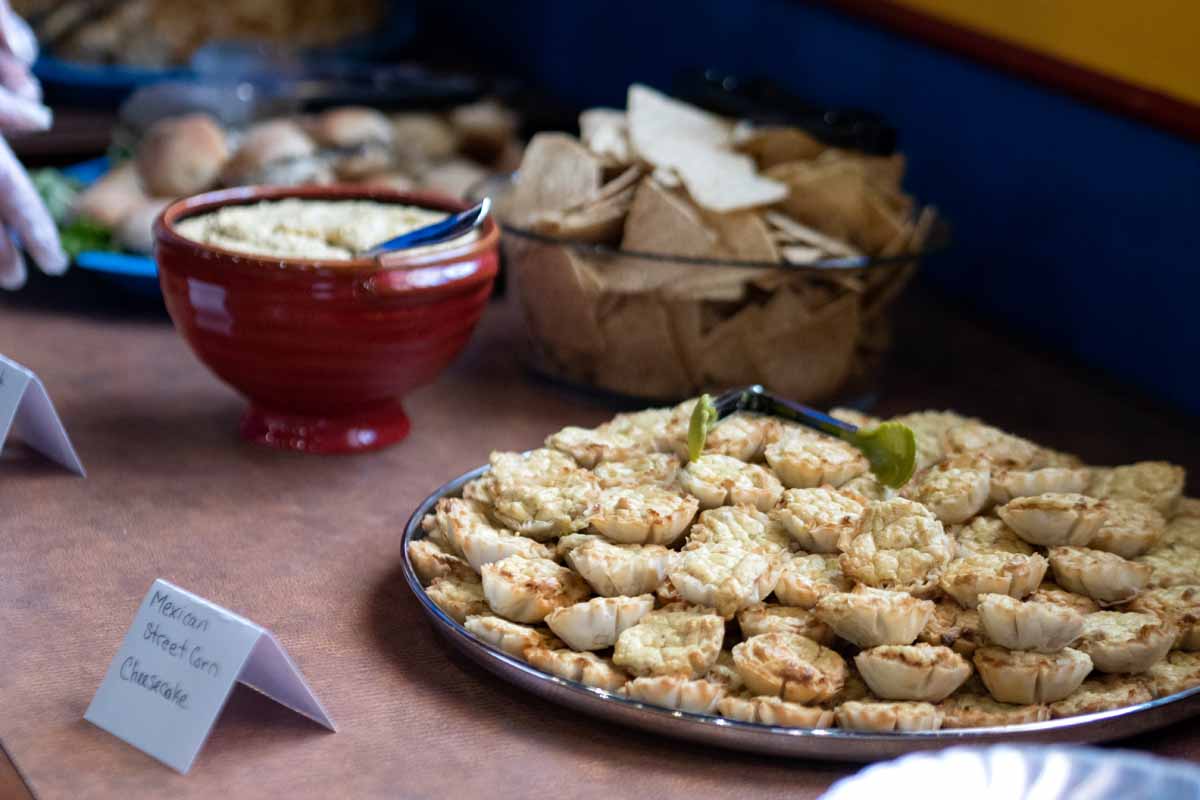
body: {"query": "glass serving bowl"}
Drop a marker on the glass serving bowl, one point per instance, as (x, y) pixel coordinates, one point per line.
(659, 328)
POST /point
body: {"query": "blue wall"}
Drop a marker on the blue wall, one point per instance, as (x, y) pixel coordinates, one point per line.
(1074, 225)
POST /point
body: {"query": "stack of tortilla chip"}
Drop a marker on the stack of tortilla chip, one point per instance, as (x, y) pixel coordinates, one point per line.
(677, 193)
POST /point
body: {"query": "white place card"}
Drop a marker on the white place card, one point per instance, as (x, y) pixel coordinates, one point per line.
(26, 410)
(179, 662)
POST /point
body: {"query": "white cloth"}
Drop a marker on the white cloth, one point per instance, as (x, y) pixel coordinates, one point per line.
(22, 214)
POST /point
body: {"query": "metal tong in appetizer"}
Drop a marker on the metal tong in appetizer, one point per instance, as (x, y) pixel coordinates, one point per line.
(890, 447)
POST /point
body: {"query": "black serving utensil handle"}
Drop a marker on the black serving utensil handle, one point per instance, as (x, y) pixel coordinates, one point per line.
(758, 400)
(765, 102)
(890, 448)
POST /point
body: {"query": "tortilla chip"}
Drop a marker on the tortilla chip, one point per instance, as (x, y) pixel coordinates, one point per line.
(558, 292)
(826, 196)
(666, 178)
(778, 278)
(728, 284)
(813, 294)
(665, 222)
(661, 221)
(820, 295)
(605, 132)
(685, 321)
(883, 231)
(694, 143)
(743, 236)
(622, 275)
(773, 145)
(599, 221)
(627, 179)
(799, 353)
(714, 358)
(658, 123)
(717, 284)
(721, 180)
(899, 243)
(885, 172)
(802, 254)
(831, 197)
(556, 174)
(640, 358)
(804, 235)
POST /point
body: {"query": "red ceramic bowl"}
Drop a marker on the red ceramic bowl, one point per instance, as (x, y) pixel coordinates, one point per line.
(324, 350)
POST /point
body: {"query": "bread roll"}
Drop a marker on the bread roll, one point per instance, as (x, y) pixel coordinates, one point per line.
(484, 128)
(181, 155)
(111, 198)
(350, 126)
(390, 180)
(135, 231)
(423, 137)
(367, 159)
(265, 148)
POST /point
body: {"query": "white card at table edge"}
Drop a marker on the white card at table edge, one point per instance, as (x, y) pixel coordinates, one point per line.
(176, 667)
(26, 408)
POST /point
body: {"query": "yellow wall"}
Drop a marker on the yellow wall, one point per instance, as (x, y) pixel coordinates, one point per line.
(1151, 43)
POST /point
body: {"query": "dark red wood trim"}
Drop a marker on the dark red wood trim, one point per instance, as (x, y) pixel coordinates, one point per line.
(1114, 94)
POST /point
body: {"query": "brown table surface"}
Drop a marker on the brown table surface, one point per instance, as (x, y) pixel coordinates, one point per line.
(310, 548)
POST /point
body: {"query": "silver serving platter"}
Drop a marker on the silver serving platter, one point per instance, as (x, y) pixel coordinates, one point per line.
(829, 743)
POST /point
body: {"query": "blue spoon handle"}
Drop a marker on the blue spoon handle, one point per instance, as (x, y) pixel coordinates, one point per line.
(449, 228)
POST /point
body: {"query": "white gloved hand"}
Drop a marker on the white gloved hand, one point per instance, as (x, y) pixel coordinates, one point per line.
(22, 212)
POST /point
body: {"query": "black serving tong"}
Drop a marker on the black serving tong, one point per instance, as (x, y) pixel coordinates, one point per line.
(314, 80)
(890, 447)
(764, 102)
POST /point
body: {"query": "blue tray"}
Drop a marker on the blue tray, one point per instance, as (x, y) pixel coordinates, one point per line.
(136, 273)
(94, 85)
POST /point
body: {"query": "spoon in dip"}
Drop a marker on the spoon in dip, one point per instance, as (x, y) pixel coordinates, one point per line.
(451, 227)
